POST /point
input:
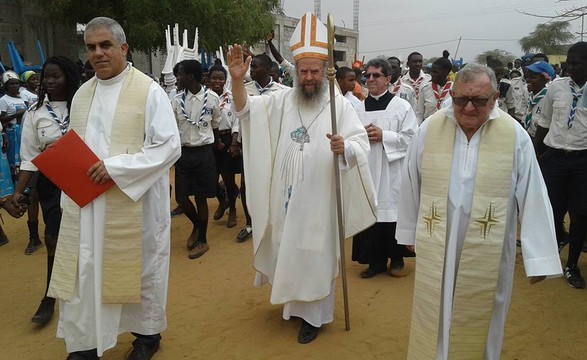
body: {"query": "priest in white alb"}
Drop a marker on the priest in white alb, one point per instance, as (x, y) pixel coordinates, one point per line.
(112, 260)
(470, 173)
(289, 166)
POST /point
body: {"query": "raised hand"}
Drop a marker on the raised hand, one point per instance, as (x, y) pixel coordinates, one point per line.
(237, 67)
(270, 36)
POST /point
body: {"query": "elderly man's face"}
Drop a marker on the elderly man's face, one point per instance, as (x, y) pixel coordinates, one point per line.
(470, 116)
(310, 74)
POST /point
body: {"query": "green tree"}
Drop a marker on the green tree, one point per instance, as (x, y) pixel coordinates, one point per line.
(548, 38)
(219, 22)
(504, 56)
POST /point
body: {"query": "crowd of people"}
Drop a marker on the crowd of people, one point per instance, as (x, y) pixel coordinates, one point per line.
(456, 165)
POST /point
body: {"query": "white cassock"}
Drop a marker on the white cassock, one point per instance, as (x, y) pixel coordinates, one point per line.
(398, 124)
(291, 195)
(528, 196)
(85, 322)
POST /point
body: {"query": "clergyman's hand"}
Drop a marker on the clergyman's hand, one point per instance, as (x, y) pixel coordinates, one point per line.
(336, 143)
(374, 133)
(237, 67)
(98, 173)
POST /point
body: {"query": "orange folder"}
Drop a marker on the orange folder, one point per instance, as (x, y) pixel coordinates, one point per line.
(66, 163)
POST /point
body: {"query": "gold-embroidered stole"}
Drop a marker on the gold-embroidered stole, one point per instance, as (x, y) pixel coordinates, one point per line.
(478, 269)
(122, 265)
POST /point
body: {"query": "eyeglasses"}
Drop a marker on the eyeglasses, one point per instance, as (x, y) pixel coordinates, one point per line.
(374, 75)
(463, 101)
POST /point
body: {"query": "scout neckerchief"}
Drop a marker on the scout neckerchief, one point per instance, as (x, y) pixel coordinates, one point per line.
(262, 89)
(533, 101)
(440, 96)
(63, 123)
(416, 84)
(576, 96)
(201, 121)
(397, 86)
(225, 100)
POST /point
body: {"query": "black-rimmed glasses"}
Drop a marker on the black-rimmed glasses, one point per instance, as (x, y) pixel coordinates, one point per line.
(375, 75)
(463, 101)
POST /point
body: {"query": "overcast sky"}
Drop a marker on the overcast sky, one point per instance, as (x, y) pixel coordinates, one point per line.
(398, 27)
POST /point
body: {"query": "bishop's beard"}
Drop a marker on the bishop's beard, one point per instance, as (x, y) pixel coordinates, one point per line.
(310, 98)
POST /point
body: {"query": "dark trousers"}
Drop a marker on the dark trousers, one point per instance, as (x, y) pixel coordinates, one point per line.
(149, 340)
(565, 174)
(376, 244)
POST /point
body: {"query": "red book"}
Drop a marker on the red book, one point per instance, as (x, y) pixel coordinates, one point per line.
(66, 163)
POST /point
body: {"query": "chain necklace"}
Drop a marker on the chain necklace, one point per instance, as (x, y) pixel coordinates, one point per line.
(301, 134)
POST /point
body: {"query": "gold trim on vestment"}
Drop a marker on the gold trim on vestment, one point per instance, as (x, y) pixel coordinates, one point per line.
(478, 269)
(122, 253)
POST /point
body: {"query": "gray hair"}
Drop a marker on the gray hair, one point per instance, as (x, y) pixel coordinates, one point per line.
(109, 24)
(380, 63)
(471, 72)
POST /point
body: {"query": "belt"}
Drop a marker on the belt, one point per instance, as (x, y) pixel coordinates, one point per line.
(224, 132)
(569, 153)
(195, 148)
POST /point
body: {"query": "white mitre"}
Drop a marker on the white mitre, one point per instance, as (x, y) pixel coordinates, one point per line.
(309, 39)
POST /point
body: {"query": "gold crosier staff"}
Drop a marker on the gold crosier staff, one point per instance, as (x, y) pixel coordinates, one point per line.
(331, 75)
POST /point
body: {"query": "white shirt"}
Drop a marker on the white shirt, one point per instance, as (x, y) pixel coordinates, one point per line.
(11, 105)
(555, 115)
(29, 97)
(404, 91)
(417, 84)
(535, 111)
(506, 102)
(228, 119)
(427, 101)
(201, 132)
(519, 93)
(352, 99)
(39, 130)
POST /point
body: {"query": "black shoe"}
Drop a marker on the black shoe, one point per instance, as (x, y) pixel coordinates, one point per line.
(307, 333)
(177, 211)
(34, 245)
(574, 278)
(244, 234)
(84, 355)
(221, 210)
(142, 352)
(584, 246)
(372, 271)
(44, 312)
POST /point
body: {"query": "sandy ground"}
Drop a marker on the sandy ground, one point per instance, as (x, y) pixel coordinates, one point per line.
(215, 313)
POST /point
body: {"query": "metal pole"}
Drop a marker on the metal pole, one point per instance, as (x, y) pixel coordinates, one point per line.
(331, 75)
(458, 46)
